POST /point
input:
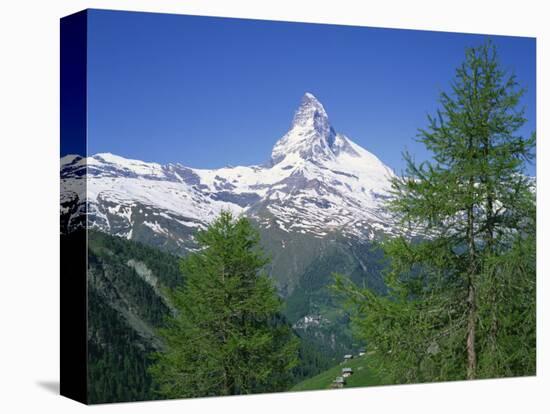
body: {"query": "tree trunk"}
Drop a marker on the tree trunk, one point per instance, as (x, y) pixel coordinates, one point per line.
(489, 274)
(472, 308)
(471, 338)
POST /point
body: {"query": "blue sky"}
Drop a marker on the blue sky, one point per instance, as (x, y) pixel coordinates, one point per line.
(209, 92)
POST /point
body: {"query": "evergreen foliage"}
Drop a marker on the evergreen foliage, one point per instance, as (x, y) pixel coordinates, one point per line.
(461, 300)
(226, 336)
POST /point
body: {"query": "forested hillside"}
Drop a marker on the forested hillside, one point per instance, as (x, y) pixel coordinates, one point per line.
(127, 285)
(125, 307)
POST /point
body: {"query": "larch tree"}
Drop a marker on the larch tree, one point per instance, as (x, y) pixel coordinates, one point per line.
(227, 335)
(461, 278)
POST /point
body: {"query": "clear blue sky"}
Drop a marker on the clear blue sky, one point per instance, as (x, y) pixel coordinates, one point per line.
(209, 92)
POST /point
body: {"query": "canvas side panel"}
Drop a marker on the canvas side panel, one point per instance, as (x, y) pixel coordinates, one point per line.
(73, 260)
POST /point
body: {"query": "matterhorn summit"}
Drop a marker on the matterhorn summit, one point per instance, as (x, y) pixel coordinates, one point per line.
(311, 137)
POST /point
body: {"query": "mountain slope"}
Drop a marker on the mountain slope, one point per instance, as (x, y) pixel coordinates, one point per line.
(125, 307)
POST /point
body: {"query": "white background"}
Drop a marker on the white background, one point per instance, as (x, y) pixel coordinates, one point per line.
(29, 162)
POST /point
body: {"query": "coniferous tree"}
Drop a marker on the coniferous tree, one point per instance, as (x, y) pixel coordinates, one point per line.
(462, 292)
(226, 336)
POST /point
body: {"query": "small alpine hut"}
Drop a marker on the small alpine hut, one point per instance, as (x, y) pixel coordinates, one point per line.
(346, 372)
(362, 352)
(339, 382)
(347, 357)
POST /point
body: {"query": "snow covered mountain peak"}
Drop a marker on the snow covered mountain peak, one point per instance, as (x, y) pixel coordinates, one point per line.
(311, 136)
(311, 114)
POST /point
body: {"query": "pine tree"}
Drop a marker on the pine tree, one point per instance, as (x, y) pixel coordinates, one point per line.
(462, 292)
(226, 336)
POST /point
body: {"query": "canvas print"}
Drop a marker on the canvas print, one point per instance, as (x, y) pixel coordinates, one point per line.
(255, 206)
